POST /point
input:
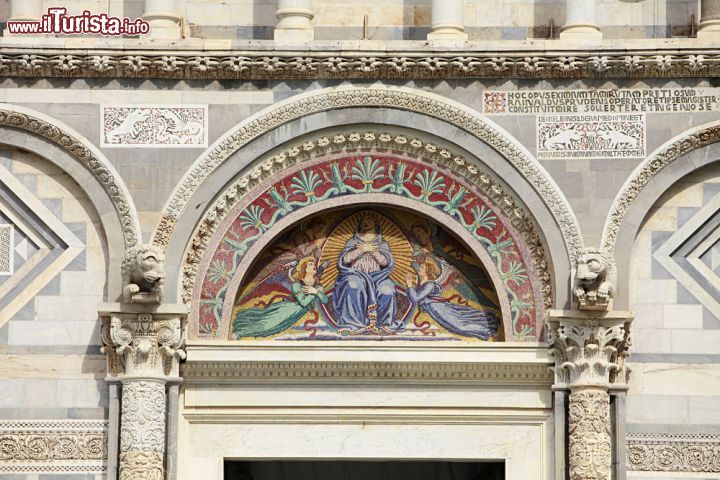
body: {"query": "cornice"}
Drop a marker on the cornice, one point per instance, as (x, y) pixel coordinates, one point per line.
(360, 60)
(364, 372)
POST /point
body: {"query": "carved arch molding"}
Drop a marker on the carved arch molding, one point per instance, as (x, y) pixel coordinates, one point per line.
(304, 105)
(255, 203)
(643, 175)
(85, 153)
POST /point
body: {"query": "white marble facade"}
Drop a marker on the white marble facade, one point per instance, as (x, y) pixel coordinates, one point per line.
(109, 144)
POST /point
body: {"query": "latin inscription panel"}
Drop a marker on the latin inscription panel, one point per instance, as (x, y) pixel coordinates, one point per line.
(651, 100)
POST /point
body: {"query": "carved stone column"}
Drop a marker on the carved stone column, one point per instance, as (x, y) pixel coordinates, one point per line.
(590, 349)
(294, 18)
(143, 345)
(580, 22)
(164, 20)
(709, 19)
(448, 21)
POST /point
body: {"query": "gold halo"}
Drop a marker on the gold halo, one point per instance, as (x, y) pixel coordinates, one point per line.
(396, 240)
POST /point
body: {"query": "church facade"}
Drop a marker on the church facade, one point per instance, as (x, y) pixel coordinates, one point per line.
(454, 231)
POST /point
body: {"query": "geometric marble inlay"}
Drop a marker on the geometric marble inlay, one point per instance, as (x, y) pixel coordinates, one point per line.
(43, 245)
(711, 258)
(692, 255)
(6, 249)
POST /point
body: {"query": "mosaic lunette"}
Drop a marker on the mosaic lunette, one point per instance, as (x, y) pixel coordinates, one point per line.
(359, 175)
(367, 274)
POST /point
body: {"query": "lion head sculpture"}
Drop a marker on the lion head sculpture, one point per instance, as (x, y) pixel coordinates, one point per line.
(594, 279)
(143, 273)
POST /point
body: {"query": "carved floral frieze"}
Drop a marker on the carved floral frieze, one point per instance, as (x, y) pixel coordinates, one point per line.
(659, 452)
(63, 446)
(276, 64)
(433, 106)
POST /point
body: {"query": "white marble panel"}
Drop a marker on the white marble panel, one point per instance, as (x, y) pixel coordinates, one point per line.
(521, 446)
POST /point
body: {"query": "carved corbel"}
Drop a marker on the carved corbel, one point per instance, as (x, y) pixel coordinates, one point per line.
(143, 274)
(595, 279)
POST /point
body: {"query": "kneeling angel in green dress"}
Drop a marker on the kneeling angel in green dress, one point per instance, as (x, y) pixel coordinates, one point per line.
(266, 321)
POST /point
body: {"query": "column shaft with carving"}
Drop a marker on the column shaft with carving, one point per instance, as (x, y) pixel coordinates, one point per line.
(143, 352)
(590, 349)
(142, 430)
(590, 445)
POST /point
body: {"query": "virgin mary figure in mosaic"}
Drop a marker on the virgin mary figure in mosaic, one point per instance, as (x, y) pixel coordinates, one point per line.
(364, 297)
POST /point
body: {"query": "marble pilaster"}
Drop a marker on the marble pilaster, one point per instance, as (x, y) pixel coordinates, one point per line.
(24, 10)
(164, 20)
(709, 27)
(144, 345)
(590, 349)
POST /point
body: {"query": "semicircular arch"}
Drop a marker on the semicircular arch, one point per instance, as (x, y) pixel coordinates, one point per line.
(680, 156)
(59, 144)
(300, 108)
(39, 130)
(472, 202)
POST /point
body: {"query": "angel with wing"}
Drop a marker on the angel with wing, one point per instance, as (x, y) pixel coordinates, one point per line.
(424, 290)
(265, 321)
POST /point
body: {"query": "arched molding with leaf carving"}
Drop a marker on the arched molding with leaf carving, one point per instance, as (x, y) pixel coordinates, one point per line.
(680, 156)
(463, 119)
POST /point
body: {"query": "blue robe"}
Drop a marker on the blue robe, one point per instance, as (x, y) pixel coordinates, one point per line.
(362, 298)
(459, 319)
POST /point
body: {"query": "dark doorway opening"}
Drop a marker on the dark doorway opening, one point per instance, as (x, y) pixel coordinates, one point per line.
(351, 470)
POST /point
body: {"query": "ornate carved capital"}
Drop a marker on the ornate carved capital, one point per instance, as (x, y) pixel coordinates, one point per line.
(142, 344)
(590, 348)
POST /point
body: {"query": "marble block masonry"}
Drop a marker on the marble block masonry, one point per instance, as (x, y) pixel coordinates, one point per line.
(436, 230)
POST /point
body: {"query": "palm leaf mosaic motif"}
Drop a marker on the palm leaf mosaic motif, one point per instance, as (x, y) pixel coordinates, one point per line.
(367, 174)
